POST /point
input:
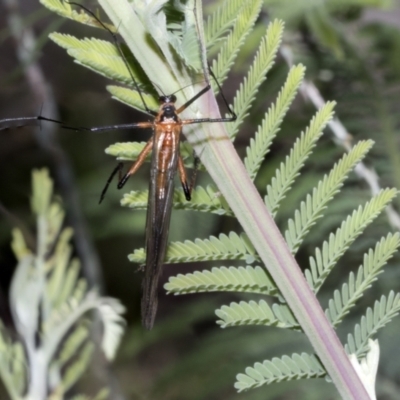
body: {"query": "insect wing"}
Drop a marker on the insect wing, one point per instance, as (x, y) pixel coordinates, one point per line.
(163, 170)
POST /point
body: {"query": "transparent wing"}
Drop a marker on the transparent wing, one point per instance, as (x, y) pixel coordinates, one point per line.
(163, 169)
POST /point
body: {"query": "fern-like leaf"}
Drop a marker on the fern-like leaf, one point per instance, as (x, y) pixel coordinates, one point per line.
(252, 313)
(183, 37)
(301, 150)
(126, 151)
(234, 41)
(132, 98)
(58, 283)
(298, 366)
(64, 9)
(203, 200)
(101, 57)
(312, 208)
(13, 365)
(263, 62)
(72, 344)
(219, 23)
(105, 59)
(222, 279)
(77, 366)
(65, 311)
(259, 146)
(325, 259)
(232, 247)
(110, 311)
(375, 319)
(129, 151)
(367, 273)
(48, 300)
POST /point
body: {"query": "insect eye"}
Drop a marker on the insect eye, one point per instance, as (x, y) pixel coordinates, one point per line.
(162, 99)
(172, 98)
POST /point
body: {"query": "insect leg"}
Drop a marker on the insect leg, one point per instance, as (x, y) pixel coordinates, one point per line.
(187, 188)
(118, 169)
(233, 116)
(197, 163)
(183, 178)
(136, 165)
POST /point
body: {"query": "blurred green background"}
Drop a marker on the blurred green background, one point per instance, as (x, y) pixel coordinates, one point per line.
(352, 53)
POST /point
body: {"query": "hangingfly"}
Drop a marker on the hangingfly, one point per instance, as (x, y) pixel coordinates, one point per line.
(165, 161)
(164, 144)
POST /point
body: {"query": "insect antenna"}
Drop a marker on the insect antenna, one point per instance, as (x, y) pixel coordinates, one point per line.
(119, 167)
(117, 45)
(20, 122)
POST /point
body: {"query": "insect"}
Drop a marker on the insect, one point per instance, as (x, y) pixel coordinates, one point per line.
(165, 162)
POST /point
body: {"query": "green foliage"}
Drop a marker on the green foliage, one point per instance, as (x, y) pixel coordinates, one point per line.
(325, 259)
(48, 299)
(64, 9)
(298, 366)
(231, 247)
(385, 309)
(259, 146)
(319, 18)
(226, 32)
(249, 280)
(367, 273)
(203, 199)
(252, 313)
(312, 208)
(263, 62)
(100, 56)
(221, 21)
(229, 45)
(301, 150)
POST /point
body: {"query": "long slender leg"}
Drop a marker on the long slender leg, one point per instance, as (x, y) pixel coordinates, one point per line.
(118, 169)
(206, 63)
(183, 178)
(135, 166)
(201, 120)
(141, 125)
(187, 188)
(193, 99)
(233, 114)
(195, 170)
(122, 180)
